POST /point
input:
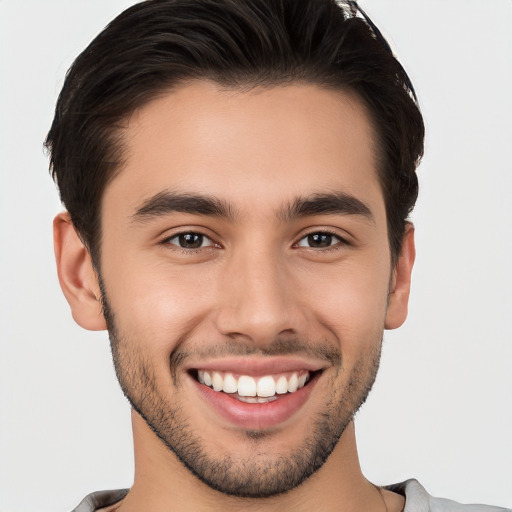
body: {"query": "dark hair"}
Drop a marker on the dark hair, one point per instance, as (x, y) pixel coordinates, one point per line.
(158, 44)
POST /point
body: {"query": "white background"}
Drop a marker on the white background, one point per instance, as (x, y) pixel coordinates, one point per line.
(441, 410)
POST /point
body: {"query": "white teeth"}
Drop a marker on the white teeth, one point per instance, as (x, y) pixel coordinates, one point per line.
(230, 384)
(281, 385)
(266, 387)
(217, 381)
(246, 386)
(293, 383)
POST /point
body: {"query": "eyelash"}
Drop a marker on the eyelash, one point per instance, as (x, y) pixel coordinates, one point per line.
(212, 244)
(341, 242)
(167, 241)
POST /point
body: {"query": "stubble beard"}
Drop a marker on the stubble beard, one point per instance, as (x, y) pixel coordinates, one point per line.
(263, 474)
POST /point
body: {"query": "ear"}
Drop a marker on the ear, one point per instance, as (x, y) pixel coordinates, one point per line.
(401, 282)
(77, 276)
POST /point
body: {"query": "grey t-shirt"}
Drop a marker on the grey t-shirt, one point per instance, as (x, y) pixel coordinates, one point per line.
(417, 499)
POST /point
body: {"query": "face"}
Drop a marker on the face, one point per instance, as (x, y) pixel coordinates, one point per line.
(246, 275)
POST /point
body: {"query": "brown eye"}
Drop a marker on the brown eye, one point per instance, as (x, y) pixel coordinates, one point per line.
(190, 240)
(319, 240)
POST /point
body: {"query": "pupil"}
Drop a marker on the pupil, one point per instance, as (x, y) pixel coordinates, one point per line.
(319, 240)
(191, 240)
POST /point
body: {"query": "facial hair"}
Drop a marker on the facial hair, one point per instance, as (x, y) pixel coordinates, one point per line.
(264, 474)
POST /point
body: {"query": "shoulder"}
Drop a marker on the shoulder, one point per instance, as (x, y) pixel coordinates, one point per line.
(417, 499)
(97, 500)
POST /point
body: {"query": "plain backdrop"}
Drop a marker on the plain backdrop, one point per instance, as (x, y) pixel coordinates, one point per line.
(441, 409)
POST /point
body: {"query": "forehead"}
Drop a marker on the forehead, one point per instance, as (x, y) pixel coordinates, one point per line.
(252, 149)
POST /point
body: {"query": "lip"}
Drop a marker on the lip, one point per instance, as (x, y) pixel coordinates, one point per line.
(257, 366)
(255, 416)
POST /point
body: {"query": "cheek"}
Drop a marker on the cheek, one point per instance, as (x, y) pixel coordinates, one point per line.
(350, 300)
(157, 306)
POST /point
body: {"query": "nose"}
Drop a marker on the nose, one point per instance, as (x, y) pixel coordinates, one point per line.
(258, 299)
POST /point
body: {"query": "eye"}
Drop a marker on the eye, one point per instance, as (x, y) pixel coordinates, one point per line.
(189, 240)
(320, 240)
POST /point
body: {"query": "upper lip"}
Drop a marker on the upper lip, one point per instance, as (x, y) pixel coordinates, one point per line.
(257, 365)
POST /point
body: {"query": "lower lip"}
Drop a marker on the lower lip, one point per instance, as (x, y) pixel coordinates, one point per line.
(256, 416)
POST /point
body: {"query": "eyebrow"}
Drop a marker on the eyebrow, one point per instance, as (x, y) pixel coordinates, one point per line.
(326, 204)
(165, 203)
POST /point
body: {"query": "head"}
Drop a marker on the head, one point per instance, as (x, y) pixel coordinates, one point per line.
(155, 46)
(240, 175)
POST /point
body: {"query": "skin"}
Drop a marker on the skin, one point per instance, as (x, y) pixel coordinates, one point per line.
(255, 283)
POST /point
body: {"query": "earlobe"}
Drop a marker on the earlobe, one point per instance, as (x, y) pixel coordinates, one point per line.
(77, 276)
(401, 282)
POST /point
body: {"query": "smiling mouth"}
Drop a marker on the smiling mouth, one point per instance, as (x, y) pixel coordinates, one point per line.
(254, 390)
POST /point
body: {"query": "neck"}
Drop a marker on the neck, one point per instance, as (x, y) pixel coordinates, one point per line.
(163, 483)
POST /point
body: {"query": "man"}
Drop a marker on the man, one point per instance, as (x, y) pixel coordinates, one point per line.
(238, 178)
